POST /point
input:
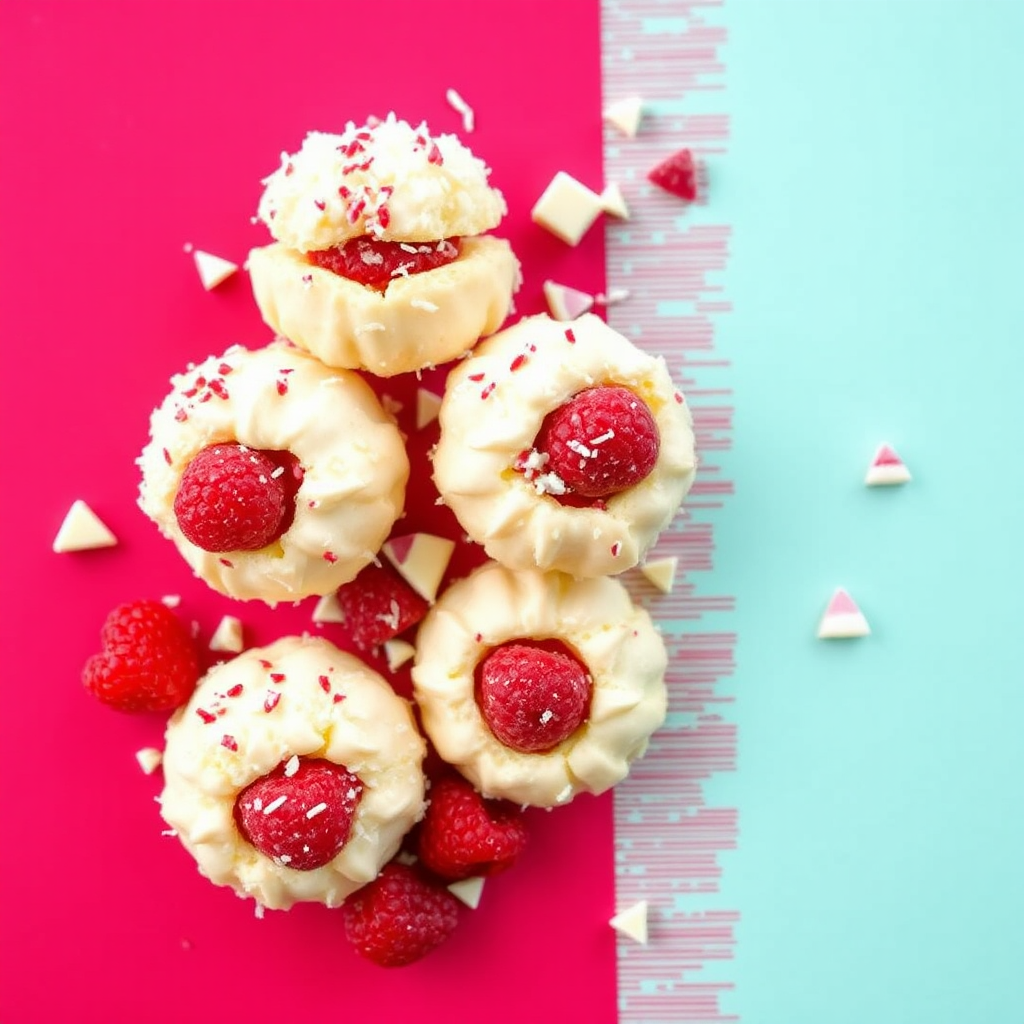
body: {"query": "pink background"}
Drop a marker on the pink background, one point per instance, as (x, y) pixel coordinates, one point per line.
(129, 130)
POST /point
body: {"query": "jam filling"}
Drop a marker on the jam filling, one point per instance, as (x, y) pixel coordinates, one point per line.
(376, 264)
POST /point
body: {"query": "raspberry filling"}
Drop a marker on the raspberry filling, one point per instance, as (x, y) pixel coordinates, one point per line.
(376, 264)
(533, 695)
(602, 441)
(301, 813)
(234, 498)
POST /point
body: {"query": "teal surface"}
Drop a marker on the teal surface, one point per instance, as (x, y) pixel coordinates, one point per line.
(875, 181)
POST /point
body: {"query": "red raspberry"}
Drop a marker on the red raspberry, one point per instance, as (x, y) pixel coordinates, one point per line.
(309, 826)
(400, 916)
(676, 174)
(463, 834)
(376, 264)
(533, 698)
(602, 441)
(378, 605)
(229, 499)
(148, 663)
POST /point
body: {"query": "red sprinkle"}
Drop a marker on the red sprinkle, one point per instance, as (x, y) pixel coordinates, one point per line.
(476, 376)
(325, 684)
(338, 698)
(265, 663)
(224, 369)
(227, 562)
(486, 393)
(319, 204)
(229, 742)
(181, 415)
(271, 701)
(277, 677)
(235, 691)
(679, 398)
(282, 387)
(167, 457)
(206, 716)
(217, 387)
(330, 556)
(517, 362)
(569, 336)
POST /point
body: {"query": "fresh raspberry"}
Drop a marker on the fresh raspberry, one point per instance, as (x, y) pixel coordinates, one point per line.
(378, 605)
(463, 834)
(400, 916)
(148, 663)
(303, 819)
(676, 174)
(531, 697)
(600, 442)
(376, 264)
(233, 498)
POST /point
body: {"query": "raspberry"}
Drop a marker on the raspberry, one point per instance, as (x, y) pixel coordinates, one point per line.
(230, 499)
(376, 264)
(400, 916)
(309, 826)
(463, 834)
(531, 697)
(676, 174)
(600, 442)
(148, 663)
(378, 605)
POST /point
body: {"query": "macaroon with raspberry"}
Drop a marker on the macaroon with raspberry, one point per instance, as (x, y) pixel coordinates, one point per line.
(564, 447)
(275, 476)
(381, 260)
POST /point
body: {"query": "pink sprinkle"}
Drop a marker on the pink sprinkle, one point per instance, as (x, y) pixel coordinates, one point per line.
(434, 156)
(517, 362)
(217, 387)
(224, 369)
(180, 416)
(383, 216)
(265, 663)
(478, 637)
(277, 677)
(319, 204)
(325, 684)
(486, 393)
(225, 561)
(235, 691)
(476, 376)
(616, 548)
(271, 702)
(282, 387)
(330, 556)
(285, 370)
(569, 336)
(229, 742)
(167, 457)
(288, 169)
(679, 398)
(206, 716)
(338, 698)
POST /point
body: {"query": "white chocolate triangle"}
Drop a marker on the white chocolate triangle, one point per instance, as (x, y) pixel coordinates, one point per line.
(661, 572)
(567, 208)
(149, 759)
(625, 114)
(213, 270)
(398, 652)
(843, 619)
(421, 560)
(328, 610)
(886, 469)
(614, 202)
(566, 303)
(228, 636)
(82, 530)
(469, 890)
(427, 407)
(632, 922)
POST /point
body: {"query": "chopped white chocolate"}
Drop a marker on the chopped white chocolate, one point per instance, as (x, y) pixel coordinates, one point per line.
(611, 297)
(614, 202)
(566, 303)
(625, 114)
(398, 652)
(843, 619)
(82, 530)
(149, 759)
(171, 600)
(632, 922)
(461, 107)
(886, 469)
(661, 572)
(567, 208)
(228, 636)
(328, 609)
(421, 559)
(469, 891)
(392, 406)
(427, 407)
(213, 270)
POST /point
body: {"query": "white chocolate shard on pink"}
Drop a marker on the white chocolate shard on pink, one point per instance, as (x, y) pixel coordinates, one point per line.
(421, 559)
(632, 922)
(328, 609)
(567, 208)
(614, 202)
(625, 114)
(398, 653)
(228, 636)
(843, 619)
(886, 469)
(212, 270)
(661, 572)
(82, 530)
(149, 759)
(612, 297)
(428, 405)
(468, 890)
(463, 109)
(566, 303)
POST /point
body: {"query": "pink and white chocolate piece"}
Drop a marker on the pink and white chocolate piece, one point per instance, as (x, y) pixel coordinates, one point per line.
(843, 619)
(421, 559)
(886, 469)
(566, 303)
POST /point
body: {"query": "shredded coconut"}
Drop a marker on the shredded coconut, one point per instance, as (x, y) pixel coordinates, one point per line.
(274, 804)
(314, 811)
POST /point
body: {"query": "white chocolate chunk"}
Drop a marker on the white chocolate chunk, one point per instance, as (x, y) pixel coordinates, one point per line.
(398, 652)
(213, 270)
(566, 303)
(612, 297)
(228, 636)
(328, 610)
(82, 530)
(567, 208)
(661, 572)
(427, 407)
(625, 114)
(614, 202)
(843, 619)
(632, 922)
(886, 468)
(171, 600)
(469, 890)
(149, 759)
(421, 559)
(460, 106)
(392, 406)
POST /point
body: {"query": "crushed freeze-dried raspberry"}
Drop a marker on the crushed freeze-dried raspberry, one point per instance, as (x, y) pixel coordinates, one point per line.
(378, 605)
(600, 442)
(302, 820)
(376, 264)
(676, 174)
(148, 662)
(400, 916)
(533, 697)
(463, 834)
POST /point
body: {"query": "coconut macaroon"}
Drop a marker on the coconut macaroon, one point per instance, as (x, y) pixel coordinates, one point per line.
(381, 261)
(563, 447)
(521, 740)
(275, 476)
(293, 773)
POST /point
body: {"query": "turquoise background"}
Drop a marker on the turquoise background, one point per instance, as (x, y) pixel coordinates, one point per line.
(875, 180)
